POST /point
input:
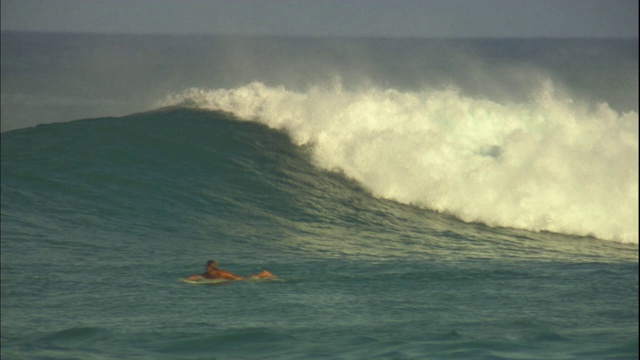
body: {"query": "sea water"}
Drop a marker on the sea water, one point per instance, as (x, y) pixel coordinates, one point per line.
(441, 199)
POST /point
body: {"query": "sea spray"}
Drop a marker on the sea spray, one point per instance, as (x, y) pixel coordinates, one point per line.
(548, 164)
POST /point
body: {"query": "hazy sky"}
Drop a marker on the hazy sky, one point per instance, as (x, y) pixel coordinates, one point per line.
(386, 18)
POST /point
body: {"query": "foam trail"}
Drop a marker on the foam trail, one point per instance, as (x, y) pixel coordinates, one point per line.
(548, 164)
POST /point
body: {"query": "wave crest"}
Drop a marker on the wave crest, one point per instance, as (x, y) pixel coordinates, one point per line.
(549, 164)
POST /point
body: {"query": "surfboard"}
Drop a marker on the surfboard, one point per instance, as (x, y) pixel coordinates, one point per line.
(203, 281)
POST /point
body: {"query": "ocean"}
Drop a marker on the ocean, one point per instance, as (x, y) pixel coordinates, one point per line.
(417, 198)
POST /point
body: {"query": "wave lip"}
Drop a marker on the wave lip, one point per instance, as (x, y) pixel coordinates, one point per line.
(549, 164)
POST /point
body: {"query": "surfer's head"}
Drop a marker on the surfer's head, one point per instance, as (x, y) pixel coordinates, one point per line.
(212, 264)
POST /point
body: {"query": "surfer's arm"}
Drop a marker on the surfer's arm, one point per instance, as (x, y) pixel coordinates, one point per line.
(227, 275)
(194, 277)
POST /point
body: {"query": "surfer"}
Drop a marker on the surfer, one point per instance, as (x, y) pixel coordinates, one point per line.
(212, 271)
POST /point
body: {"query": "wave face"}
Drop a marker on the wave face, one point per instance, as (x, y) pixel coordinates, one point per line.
(547, 164)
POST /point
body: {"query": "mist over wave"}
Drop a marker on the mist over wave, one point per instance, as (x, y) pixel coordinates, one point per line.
(57, 77)
(546, 164)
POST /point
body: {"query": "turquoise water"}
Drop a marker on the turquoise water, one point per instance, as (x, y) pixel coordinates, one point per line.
(417, 199)
(101, 217)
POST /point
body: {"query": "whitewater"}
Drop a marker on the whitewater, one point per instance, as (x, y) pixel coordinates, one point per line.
(548, 164)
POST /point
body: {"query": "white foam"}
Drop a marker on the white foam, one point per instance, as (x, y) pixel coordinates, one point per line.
(547, 164)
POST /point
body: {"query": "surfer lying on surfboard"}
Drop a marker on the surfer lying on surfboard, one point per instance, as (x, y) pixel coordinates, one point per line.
(212, 271)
